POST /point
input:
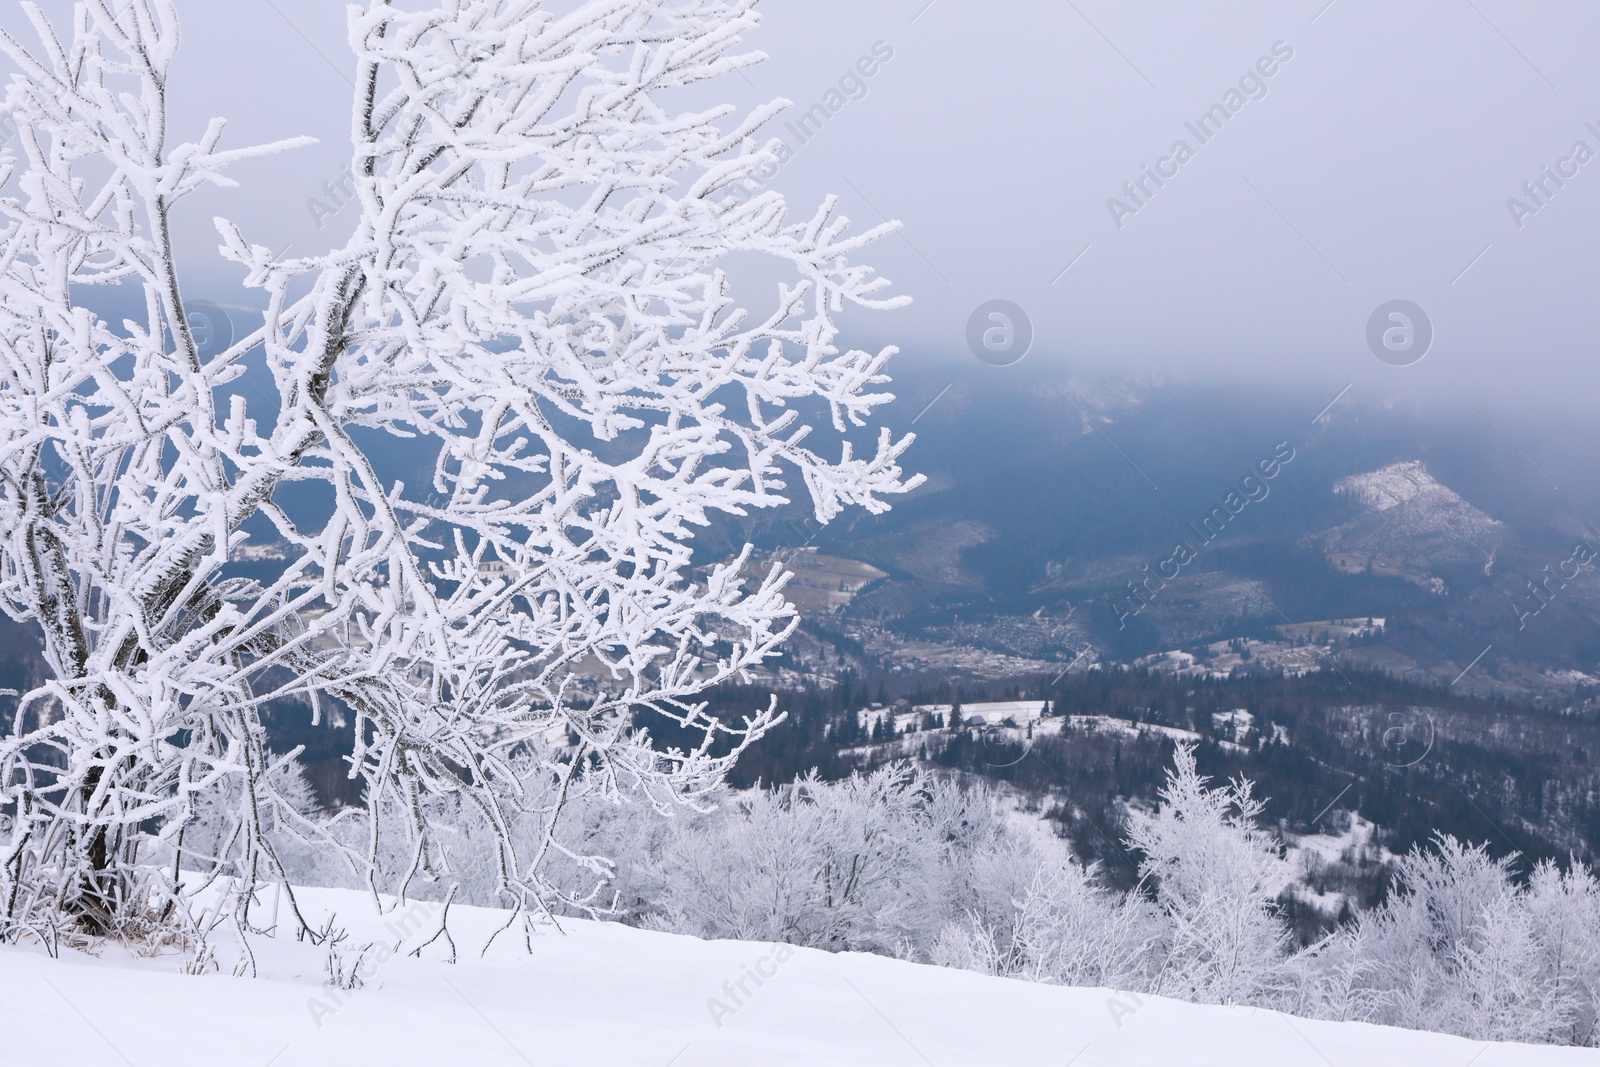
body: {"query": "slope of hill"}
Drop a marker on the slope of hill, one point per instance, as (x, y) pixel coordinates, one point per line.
(606, 994)
(1409, 516)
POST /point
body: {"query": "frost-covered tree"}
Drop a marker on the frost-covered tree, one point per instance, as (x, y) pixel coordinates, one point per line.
(1043, 918)
(1215, 874)
(850, 865)
(531, 306)
(898, 861)
(1460, 947)
(1564, 915)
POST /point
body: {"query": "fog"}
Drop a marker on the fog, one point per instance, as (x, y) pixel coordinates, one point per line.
(1384, 157)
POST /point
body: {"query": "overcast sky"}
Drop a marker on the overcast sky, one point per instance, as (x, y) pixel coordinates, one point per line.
(1375, 163)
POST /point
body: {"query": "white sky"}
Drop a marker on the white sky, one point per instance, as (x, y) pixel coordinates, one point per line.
(1377, 166)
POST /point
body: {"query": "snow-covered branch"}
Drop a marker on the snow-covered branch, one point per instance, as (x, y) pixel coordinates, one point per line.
(531, 308)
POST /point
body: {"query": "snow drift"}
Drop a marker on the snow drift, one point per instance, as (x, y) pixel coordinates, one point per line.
(608, 994)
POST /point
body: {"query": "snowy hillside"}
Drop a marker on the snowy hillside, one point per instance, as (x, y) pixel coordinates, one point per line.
(1413, 518)
(610, 995)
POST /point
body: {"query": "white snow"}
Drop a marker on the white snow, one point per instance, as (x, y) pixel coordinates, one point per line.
(609, 995)
(1235, 723)
(992, 712)
(1305, 854)
(1111, 724)
(1412, 521)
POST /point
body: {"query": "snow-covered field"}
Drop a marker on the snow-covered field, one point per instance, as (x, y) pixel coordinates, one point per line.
(609, 995)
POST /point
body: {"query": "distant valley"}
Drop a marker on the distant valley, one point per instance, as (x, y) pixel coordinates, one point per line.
(1077, 527)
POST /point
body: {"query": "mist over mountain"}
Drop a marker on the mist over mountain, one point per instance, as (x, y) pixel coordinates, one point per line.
(1111, 519)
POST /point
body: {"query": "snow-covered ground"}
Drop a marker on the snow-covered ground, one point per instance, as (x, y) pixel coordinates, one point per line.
(608, 995)
(992, 713)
